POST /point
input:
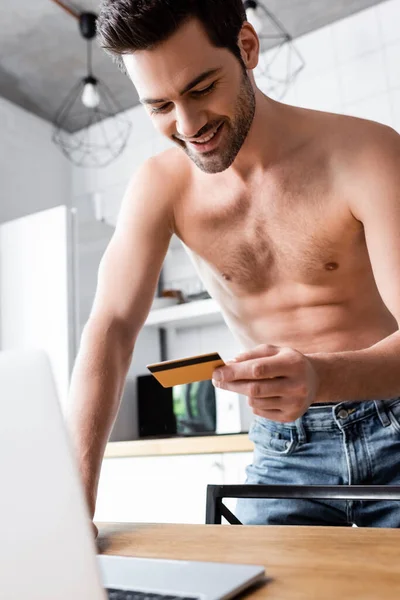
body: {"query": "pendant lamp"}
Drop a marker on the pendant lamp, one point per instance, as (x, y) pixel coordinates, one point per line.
(90, 127)
(280, 62)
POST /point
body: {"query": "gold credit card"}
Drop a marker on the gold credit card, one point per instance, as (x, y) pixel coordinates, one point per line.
(186, 370)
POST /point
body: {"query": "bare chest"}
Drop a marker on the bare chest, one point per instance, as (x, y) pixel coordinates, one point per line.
(254, 241)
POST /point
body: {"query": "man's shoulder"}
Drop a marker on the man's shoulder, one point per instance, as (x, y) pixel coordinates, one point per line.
(166, 174)
(344, 129)
(363, 159)
(363, 145)
(350, 143)
(347, 132)
(172, 163)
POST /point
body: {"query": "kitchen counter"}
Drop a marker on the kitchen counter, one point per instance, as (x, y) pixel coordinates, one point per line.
(180, 445)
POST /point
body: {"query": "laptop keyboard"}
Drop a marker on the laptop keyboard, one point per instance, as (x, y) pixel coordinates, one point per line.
(132, 595)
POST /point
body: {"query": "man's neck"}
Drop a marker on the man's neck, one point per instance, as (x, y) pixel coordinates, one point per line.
(268, 139)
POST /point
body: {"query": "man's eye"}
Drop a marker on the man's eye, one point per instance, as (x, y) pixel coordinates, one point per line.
(160, 109)
(204, 91)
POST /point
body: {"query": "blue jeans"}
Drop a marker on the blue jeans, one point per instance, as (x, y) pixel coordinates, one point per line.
(350, 443)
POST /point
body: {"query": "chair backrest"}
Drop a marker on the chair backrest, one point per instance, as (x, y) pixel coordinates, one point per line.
(215, 509)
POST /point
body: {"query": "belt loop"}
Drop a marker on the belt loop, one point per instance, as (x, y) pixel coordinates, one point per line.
(381, 409)
(301, 432)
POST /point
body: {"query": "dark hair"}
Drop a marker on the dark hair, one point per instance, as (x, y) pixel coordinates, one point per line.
(130, 25)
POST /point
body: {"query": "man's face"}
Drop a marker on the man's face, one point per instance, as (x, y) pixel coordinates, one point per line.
(197, 95)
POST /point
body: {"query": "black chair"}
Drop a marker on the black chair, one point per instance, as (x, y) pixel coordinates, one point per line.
(215, 508)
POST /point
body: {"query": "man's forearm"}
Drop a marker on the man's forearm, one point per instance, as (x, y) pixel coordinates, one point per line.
(96, 388)
(369, 374)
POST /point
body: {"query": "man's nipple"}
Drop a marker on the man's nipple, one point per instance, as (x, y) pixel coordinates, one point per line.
(331, 266)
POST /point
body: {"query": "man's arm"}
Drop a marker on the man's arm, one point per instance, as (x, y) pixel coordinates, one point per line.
(127, 281)
(374, 200)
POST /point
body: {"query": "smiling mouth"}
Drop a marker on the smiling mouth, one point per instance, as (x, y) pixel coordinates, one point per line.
(206, 138)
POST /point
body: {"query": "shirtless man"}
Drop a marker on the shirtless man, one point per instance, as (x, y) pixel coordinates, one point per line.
(293, 218)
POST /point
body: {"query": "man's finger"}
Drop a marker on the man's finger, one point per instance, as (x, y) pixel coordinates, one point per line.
(251, 369)
(257, 352)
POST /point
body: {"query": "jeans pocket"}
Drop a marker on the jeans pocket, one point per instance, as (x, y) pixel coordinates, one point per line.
(394, 414)
(272, 438)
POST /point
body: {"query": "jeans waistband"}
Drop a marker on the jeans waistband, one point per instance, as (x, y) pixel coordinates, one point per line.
(342, 414)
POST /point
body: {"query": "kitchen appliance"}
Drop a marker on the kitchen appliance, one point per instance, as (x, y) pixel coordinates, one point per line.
(189, 409)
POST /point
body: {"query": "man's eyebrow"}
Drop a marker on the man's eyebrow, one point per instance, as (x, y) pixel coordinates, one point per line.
(187, 88)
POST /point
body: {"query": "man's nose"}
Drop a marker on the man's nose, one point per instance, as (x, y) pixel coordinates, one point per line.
(189, 122)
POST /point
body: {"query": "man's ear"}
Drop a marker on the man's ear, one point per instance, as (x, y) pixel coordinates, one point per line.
(249, 45)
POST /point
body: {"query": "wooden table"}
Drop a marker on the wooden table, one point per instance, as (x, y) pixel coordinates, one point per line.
(310, 563)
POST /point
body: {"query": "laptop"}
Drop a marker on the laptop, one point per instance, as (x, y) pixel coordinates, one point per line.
(47, 549)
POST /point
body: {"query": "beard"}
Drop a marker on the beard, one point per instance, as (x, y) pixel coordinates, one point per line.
(235, 133)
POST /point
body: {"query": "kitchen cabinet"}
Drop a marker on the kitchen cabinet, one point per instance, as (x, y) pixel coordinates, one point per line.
(165, 489)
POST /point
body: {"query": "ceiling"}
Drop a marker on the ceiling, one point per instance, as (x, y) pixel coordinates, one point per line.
(42, 54)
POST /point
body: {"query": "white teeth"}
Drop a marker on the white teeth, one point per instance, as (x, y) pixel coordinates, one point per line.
(207, 138)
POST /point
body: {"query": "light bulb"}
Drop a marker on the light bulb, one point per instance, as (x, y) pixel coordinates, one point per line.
(90, 95)
(254, 19)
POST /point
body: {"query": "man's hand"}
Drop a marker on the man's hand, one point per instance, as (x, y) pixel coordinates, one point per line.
(90, 490)
(281, 383)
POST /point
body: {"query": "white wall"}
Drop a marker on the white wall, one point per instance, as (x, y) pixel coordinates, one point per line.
(353, 66)
(34, 174)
